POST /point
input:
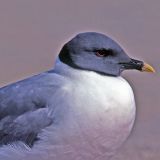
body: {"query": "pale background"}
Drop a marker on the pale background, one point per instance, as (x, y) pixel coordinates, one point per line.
(33, 31)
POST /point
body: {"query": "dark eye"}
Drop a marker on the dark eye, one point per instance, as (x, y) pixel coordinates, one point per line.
(104, 53)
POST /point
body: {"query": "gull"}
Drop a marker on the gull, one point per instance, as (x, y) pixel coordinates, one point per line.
(82, 109)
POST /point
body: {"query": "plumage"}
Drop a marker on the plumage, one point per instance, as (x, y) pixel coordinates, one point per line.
(74, 111)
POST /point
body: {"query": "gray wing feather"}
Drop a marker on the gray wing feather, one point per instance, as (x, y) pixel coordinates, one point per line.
(23, 107)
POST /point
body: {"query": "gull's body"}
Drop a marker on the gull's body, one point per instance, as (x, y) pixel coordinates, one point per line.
(68, 113)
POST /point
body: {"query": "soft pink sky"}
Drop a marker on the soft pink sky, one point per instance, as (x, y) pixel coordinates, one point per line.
(33, 31)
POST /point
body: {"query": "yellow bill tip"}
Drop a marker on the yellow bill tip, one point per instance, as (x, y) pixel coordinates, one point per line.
(148, 68)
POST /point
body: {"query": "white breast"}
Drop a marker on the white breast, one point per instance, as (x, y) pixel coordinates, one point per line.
(107, 101)
(102, 114)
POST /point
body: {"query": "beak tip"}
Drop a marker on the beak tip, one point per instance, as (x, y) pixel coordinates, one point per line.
(148, 68)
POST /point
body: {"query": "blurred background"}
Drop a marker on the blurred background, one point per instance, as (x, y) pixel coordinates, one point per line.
(32, 33)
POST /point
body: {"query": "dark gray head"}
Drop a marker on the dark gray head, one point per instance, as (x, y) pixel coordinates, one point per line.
(97, 52)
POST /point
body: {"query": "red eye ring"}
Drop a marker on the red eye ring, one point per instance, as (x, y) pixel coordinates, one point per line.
(104, 53)
(100, 53)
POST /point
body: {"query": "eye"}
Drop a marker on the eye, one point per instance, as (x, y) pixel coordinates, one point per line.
(104, 53)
